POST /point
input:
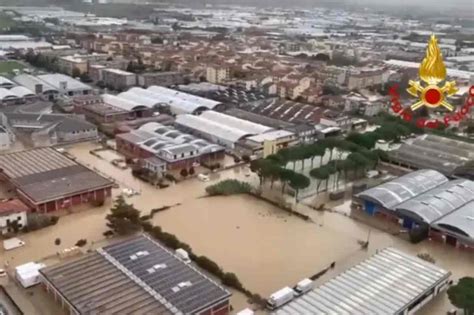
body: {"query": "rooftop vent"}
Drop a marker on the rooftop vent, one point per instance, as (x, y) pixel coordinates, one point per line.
(139, 254)
(181, 285)
(156, 267)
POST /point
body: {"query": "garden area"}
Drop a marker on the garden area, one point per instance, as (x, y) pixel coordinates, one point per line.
(9, 66)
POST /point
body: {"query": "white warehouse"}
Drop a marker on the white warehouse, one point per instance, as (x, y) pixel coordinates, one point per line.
(219, 128)
(178, 102)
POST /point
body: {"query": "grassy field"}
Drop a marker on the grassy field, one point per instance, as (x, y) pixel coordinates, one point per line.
(6, 21)
(8, 66)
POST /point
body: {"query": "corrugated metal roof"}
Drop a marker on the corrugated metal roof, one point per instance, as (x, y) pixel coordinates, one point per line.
(460, 220)
(210, 127)
(383, 284)
(199, 101)
(55, 79)
(440, 201)
(234, 122)
(122, 103)
(30, 81)
(401, 189)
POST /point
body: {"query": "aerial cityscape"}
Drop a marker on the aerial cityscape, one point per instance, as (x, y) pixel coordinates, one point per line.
(236, 157)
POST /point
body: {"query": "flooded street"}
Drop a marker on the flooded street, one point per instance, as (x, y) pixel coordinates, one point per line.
(264, 246)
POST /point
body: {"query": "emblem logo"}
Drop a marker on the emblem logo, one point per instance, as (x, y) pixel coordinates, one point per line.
(432, 72)
(432, 91)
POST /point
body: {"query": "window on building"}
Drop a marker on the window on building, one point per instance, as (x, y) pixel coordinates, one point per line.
(8, 221)
(18, 218)
(175, 156)
(182, 155)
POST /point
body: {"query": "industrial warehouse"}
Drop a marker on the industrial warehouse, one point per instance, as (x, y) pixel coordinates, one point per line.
(177, 102)
(219, 128)
(425, 198)
(173, 148)
(447, 156)
(47, 180)
(136, 276)
(389, 282)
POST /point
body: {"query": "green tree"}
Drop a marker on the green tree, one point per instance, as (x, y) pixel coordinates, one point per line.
(366, 140)
(461, 295)
(360, 161)
(320, 174)
(124, 219)
(298, 182)
(331, 143)
(85, 78)
(317, 150)
(285, 176)
(470, 129)
(76, 73)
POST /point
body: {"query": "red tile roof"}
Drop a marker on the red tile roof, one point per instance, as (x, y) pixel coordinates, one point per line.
(12, 206)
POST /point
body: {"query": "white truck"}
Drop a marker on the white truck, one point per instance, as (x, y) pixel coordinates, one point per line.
(303, 286)
(280, 298)
(12, 243)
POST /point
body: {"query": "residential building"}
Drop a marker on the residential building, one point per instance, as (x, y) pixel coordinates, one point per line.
(217, 74)
(13, 214)
(364, 78)
(96, 72)
(118, 79)
(389, 282)
(47, 180)
(161, 79)
(266, 144)
(70, 64)
(146, 277)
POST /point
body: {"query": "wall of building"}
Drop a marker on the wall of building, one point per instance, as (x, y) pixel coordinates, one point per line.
(98, 195)
(76, 136)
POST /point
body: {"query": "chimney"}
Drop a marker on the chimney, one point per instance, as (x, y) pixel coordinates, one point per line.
(63, 85)
(39, 88)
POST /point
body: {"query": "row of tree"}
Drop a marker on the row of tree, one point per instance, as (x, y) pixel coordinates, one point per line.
(359, 148)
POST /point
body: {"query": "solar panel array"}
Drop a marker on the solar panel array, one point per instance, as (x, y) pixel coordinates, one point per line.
(386, 283)
(177, 285)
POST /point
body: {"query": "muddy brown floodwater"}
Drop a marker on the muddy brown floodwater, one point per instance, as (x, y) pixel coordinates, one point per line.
(264, 246)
